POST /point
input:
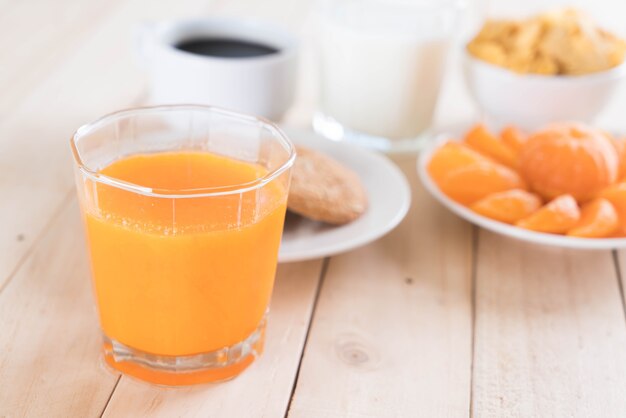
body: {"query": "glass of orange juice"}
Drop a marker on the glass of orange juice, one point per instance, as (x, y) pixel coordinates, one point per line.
(183, 209)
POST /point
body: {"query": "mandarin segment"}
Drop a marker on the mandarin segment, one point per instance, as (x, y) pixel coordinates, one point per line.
(598, 219)
(451, 156)
(616, 194)
(509, 206)
(557, 217)
(569, 158)
(480, 139)
(514, 138)
(473, 182)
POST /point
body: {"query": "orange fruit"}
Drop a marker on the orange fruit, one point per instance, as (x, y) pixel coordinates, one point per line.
(509, 206)
(598, 219)
(616, 194)
(450, 156)
(569, 158)
(620, 148)
(470, 183)
(513, 138)
(480, 139)
(557, 217)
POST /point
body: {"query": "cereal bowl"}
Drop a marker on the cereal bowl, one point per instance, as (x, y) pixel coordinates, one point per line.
(533, 100)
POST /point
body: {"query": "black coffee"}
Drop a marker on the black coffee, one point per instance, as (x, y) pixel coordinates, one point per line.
(226, 48)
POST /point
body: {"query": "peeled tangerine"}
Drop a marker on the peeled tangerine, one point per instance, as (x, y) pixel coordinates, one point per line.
(620, 147)
(557, 217)
(598, 219)
(569, 158)
(509, 206)
(473, 182)
(480, 139)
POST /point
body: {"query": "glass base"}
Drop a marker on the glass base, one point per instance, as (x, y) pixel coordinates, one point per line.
(220, 365)
(330, 128)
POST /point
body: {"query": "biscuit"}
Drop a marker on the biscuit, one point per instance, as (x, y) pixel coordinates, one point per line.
(324, 190)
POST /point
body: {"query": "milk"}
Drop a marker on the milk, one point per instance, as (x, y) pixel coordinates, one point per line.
(381, 66)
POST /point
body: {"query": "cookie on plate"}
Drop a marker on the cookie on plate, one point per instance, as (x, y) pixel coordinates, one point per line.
(324, 190)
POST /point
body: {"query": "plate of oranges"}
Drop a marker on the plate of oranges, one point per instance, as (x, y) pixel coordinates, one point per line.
(562, 185)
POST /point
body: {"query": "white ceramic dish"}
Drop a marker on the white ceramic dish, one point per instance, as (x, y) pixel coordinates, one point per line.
(499, 227)
(389, 201)
(531, 101)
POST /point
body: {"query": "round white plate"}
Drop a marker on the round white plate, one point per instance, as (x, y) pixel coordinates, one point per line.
(499, 227)
(389, 200)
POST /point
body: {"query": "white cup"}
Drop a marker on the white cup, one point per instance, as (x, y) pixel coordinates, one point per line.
(261, 85)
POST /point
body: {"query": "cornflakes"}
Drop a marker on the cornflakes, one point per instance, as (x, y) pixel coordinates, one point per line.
(562, 42)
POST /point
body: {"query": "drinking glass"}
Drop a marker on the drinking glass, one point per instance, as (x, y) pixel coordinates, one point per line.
(183, 209)
(381, 64)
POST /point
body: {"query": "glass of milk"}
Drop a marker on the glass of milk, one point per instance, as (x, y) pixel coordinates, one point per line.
(381, 66)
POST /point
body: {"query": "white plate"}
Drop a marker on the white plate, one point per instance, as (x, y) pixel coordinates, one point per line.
(389, 200)
(499, 227)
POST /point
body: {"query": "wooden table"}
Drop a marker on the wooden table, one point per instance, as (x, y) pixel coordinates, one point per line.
(436, 319)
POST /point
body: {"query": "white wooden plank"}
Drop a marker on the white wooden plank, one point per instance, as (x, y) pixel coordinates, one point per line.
(391, 335)
(34, 44)
(49, 337)
(101, 76)
(264, 389)
(550, 332)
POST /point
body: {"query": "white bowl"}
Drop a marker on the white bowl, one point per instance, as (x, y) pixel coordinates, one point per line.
(531, 100)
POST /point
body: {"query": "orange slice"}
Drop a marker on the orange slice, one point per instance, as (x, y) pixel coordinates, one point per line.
(480, 139)
(598, 219)
(513, 138)
(471, 183)
(557, 217)
(451, 156)
(616, 194)
(509, 206)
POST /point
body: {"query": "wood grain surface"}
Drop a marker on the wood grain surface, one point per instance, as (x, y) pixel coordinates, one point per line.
(437, 319)
(391, 335)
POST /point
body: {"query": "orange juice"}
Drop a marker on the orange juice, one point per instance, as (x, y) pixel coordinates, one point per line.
(183, 275)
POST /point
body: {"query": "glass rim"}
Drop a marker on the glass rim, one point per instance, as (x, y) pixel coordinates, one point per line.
(182, 193)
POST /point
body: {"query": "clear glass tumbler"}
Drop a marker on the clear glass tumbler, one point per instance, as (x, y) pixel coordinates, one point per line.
(183, 209)
(381, 64)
